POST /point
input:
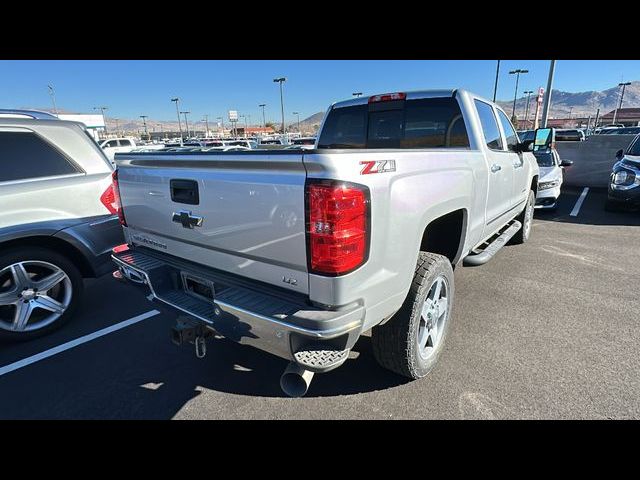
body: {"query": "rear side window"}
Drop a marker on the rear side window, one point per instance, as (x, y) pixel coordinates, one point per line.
(125, 143)
(489, 125)
(26, 155)
(509, 131)
(421, 123)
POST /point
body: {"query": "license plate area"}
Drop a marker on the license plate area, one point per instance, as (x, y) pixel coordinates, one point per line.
(198, 287)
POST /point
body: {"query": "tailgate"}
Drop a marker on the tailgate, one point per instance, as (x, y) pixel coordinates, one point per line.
(242, 213)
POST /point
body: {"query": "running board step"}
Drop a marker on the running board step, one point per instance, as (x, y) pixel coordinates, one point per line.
(493, 248)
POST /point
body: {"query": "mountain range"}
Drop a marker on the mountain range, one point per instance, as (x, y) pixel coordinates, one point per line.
(563, 104)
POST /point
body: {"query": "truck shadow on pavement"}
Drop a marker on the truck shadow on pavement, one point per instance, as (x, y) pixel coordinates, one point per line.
(242, 370)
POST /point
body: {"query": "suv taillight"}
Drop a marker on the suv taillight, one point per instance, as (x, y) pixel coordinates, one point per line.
(111, 198)
(337, 227)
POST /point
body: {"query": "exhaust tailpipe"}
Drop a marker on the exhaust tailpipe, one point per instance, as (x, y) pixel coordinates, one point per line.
(295, 380)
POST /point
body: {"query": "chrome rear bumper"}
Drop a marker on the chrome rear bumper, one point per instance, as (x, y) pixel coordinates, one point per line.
(251, 317)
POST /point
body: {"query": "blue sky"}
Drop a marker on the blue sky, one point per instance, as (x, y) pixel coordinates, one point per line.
(131, 88)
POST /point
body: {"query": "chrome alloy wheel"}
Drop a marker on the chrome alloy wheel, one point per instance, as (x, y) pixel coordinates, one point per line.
(434, 315)
(33, 294)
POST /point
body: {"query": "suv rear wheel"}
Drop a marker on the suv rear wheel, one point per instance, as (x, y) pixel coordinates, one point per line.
(39, 290)
(411, 341)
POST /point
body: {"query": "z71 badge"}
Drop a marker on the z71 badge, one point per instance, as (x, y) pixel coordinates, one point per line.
(377, 166)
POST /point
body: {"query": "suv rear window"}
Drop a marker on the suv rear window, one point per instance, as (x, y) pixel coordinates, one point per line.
(422, 123)
(26, 155)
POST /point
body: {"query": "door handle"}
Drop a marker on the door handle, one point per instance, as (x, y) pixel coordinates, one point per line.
(495, 168)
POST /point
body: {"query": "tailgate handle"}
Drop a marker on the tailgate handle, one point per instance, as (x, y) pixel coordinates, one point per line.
(184, 191)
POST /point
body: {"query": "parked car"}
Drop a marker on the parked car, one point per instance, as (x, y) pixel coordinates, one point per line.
(243, 143)
(570, 135)
(300, 253)
(112, 146)
(623, 131)
(309, 141)
(551, 177)
(58, 221)
(624, 183)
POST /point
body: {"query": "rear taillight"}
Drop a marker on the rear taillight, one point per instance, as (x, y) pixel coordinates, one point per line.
(111, 199)
(388, 97)
(337, 227)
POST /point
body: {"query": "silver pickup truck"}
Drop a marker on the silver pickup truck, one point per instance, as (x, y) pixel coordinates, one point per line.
(299, 253)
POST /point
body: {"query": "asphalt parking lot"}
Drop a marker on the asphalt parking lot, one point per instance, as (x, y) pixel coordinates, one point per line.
(544, 330)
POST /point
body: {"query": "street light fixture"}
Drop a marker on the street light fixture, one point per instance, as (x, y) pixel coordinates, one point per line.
(298, 114)
(186, 123)
(264, 122)
(281, 80)
(515, 95)
(615, 112)
(144, 121)
(526, 114)
(177, 100)
(104, 120)
(357, 94)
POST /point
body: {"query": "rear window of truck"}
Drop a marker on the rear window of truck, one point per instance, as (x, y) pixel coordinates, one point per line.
(419, 124)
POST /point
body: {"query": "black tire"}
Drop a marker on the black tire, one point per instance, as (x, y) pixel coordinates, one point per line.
(395, 343)
(523, 234)
(23, 254)
(613, 206)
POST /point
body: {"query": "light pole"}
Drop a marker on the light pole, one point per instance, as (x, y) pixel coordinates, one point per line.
(186, 123)
(615, 112)
(547, 98)
(526, 115)
(144, 122)
(206, 121)
(357, 94)
(53, 99)
(221, 123)
(495, 86)
(104, 120)
(515, 95)
(298, 114)
(177, 100)
(264, 122)
(281, 80)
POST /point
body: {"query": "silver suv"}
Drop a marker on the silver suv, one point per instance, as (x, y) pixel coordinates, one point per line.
(58, 220)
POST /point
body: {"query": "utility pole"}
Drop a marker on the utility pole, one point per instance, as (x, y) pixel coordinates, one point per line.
(515, 94)
(264, 122)
(281, 80)
(495, 86)
(104, 120)
(595, 122)
(186, 123)
(206, 121)
(547, 98)
(53, 99)
(177, 100)
(144, 121)
(298, 114)
(526, 114)
(221, 123)
(615, 112)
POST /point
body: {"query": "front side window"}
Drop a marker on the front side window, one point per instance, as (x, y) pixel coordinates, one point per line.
(25, 155)
(489, 125)
(125, 143)
(509, 132)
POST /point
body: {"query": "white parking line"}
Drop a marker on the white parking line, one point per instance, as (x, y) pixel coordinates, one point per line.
(74, 343)
(576, 208)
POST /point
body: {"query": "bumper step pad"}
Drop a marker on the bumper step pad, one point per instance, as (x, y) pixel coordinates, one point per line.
(318, 358)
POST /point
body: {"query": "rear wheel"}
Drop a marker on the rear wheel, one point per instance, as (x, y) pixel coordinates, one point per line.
(410, 343)
(39, 290)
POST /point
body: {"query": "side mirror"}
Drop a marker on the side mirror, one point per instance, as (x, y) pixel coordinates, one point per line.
(619, 154)
(566, 163)
(544, 138)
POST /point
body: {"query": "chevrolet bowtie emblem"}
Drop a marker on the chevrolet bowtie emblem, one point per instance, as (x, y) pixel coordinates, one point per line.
(187, 220)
